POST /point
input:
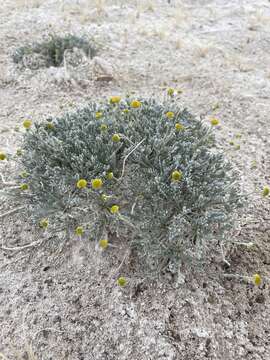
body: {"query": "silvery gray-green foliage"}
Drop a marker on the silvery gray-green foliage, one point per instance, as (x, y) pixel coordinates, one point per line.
(162, 219)
(51, 50)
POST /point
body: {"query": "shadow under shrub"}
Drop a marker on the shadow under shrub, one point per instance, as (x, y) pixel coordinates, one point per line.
(51, 51)
(176, 194)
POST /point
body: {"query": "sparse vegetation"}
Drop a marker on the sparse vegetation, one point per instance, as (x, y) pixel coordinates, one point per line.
(51, 51)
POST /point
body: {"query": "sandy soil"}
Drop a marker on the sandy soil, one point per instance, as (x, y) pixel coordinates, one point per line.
(59, 301)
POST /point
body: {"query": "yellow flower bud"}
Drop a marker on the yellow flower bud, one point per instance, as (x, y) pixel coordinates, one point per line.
(121, 281)
(2, 156)
(103, 243)
(115, 99)
(266, 191)
(135, 104)
(110, 175)
(98, 115)
(214, 122)
(24, 186)
(170, 91)
(114, 209)
(50, 125)
(81, 184)
(79, 231)
(116, 138)
(257, 280)
(179, 127)
(177, 175)
(27, 124)
(170, 115)
(96, 183)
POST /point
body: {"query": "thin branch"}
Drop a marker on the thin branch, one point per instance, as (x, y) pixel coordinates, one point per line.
(19, 248)
(11, 211)
(6, 182)
(126, 157)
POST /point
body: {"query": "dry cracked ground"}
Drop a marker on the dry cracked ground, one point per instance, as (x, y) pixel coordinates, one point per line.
(61, 302)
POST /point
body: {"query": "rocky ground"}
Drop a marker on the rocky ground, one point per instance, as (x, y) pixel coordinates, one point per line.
(61, 302)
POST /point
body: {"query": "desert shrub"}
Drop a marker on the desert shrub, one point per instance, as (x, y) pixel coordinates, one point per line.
(51, 51)
(161, 184)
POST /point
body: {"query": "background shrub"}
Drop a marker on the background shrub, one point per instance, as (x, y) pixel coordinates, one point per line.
(51, 51)
(163, 219)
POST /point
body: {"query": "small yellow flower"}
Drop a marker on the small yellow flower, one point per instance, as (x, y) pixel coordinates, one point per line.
(170, 115)
(170, 91)
(125, 111)
(79, 230)
(103, 127)
(266, 191)
(110, 175)
(135, 104)
(179, 127)
(115, 99)
(81, 184)
(257, 280)
(103, 243)
(24, 186)
(50, 125)
(27, 124)
(114, 209)
(96, 183)
(3, 156)
(98, 115)
(214, 121)
(116, 138)
(121, 281)
(19, 152)
(104, 197)
(177, 175)
(24, 174)
(44, 223)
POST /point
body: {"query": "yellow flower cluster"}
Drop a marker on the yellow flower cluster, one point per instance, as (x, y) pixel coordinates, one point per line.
(214, 122)
(27, 124)
(98, 114)
(110, 175)
(121, 281)
(135, 104)
(179, 127)
(50, 125)
(115, 99)
(114, 209)
(257, 280)
(3, 156)
(103, 243)
(170, 115)
(170, 91)
(176, 176)
(266, 191)
(116, 138)
(24, 186)
(96, 184)
(81, 184)
(79, 231)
